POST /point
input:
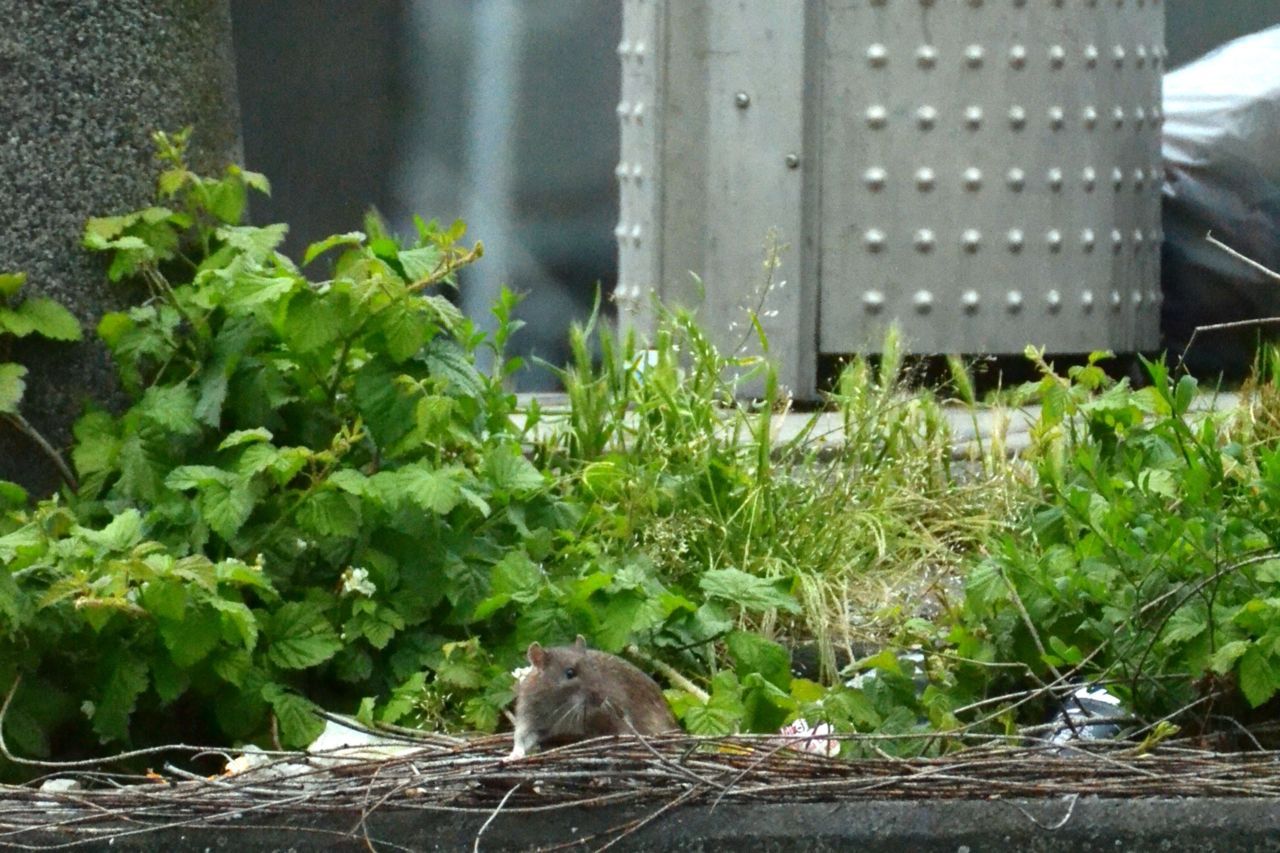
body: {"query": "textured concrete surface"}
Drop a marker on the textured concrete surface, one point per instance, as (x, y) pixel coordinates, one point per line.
(927, 826)
(83, 84)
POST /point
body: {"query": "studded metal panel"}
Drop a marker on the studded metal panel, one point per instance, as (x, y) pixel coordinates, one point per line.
(986, 172)
(990, 174)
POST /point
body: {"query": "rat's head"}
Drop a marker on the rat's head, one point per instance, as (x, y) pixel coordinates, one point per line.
(557, 668)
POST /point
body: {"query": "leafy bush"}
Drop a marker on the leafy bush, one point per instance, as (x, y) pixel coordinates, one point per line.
(1150, 561)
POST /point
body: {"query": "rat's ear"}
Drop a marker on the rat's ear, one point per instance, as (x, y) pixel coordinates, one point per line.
(580, 644)
(537, 655)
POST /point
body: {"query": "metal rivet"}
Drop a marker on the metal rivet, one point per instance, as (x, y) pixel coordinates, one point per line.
(742, 100)
(1014, 301)
(792, 161)
(1055, 301)
(1057, 56)
(1117, 240)
(1089, 178)
(971, 240)
(1139, 178)
(877, 116)
(624, 48)
(1086, 300)
(623, 109)
(637, 173)
(925, 179)
(927, 56)
(637, 111)
(874, 178)
(1139, 117)
(1055, 179)
(635, 234)
(1117, 55)
(877, 55)
(1090, 117)
(1056, 117)
(1142, 56)
(972, 178)
(620, 171)
(1116, 301)
(639, 50)
(1017, 117)
(1016, 179)
(620, 231)
(873, 300)
(970, 301)
(1091, 56)
(1017, 56)
(1054, 239)
(973, 116)
(924, 240)
(926, 117)
(874, 239)
(1117, 178)
(1117, 116)
(1138, 238)
(1088, 239)
(1016, 240)
(923, 300)
(973, 55)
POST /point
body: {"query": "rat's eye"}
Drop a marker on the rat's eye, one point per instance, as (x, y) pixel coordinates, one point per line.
(570, 672)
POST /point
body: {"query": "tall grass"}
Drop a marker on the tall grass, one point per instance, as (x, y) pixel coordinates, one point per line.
(696, 478)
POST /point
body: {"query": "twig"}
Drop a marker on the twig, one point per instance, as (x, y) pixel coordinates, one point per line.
(475, 846)
(24, 426)
(1235, 324)
(1215, 242)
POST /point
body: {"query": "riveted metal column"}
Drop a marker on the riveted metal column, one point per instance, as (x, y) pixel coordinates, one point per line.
(728, 176)
(987, 174)
(641, 53)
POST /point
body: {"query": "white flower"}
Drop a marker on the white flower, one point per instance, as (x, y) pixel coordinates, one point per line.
(520, 673)
(816, 740)
(356, 580)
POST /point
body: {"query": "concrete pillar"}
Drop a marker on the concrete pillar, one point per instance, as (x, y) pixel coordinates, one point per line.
(83, 84)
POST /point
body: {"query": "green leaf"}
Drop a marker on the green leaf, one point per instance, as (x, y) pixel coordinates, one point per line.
(764, 706)
(191, 639)
(404, 699)
(299, 722)
(748, 591)
(404, 330)
(124, 531)
(172, 407)
(315, 250)
(246, 436)
(1225, 657)
(419, 263)
(752, 653)
(96, 445)
(723, 712)
(125, 681)
(510, 472)
(11, 283)
(300, 636)
(50, 320)
(15, 323)
(1257, 676)
(330, 513)
(12, 387)
(434, 491)
(226, 507)
(312, 321)
(236, 616)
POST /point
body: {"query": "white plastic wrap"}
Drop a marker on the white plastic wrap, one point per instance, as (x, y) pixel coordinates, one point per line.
(1222, 174)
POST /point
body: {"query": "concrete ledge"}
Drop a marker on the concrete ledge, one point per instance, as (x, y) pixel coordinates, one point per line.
(1066, 824)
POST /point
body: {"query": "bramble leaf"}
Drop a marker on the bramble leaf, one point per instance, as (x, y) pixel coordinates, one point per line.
(300, 636)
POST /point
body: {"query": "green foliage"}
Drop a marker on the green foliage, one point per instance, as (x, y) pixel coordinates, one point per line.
(20, 318)
(1150, 560)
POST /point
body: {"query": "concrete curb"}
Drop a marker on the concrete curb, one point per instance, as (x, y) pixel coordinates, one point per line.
(1064, 824)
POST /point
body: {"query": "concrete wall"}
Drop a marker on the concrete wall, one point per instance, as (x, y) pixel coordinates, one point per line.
(83, 84)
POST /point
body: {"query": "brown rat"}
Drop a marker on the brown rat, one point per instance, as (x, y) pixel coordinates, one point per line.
(574, 693)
